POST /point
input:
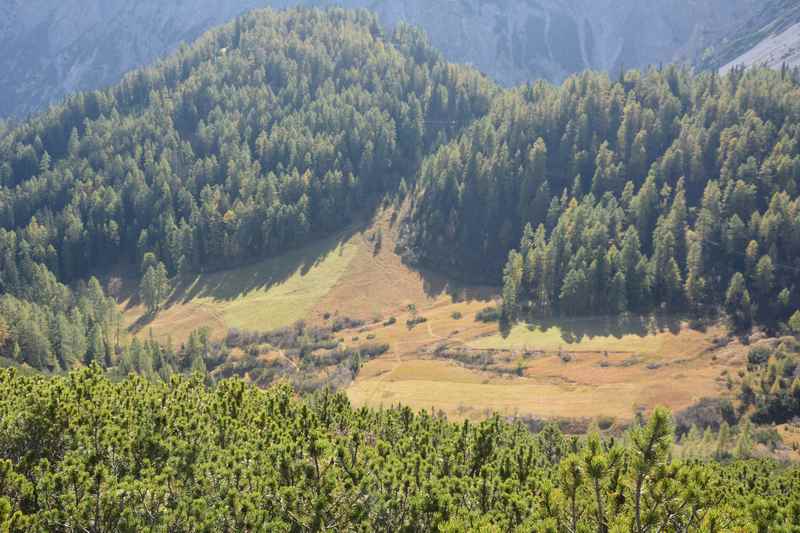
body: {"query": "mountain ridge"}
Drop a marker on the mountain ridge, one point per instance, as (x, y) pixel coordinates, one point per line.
(56, 50)
(771, 38)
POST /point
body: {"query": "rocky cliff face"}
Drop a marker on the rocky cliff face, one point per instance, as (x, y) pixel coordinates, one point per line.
(54, 47)
(770, 38)
(518, 40)
(49, 48)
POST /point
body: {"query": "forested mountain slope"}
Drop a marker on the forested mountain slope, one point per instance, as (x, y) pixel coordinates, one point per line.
(662, 189)
(52, 49)
(264, 134)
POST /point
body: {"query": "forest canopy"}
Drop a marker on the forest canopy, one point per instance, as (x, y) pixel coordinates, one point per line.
(266, 131)
(662, 189)
(81, 452)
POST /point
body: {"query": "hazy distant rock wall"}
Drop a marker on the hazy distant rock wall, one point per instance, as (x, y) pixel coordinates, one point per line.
(770, 38)
(49, 48)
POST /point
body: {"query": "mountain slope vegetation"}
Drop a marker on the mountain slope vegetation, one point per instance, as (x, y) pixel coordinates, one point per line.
(266, 133)
(80, 452)
(662, 189)
(658, 190)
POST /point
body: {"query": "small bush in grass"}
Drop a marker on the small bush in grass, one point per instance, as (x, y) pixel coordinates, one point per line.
(457, 315)
(346, 323)
(605, 422)
(415, 321)
(488, 314)
(698, 324)
(768, 436)
(758, 356)
(368, 351)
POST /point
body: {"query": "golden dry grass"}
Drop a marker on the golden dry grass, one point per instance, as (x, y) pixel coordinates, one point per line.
(379, 284)
(347, 275)
(605, 376)
(478, 397)
(423, 338)
(264, 296)
(790, 434)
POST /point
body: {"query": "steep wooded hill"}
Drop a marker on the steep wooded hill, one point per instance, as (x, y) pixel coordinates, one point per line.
(662, 189)
(264, 134)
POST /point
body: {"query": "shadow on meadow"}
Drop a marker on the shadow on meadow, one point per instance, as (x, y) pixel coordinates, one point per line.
(574, 330)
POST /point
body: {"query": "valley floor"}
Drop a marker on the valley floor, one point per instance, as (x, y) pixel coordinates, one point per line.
(590, 369)
(545, 374)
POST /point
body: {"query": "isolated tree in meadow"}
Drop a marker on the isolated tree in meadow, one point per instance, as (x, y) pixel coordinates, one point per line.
(512, 278)
(738, 303)
(154, 287)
